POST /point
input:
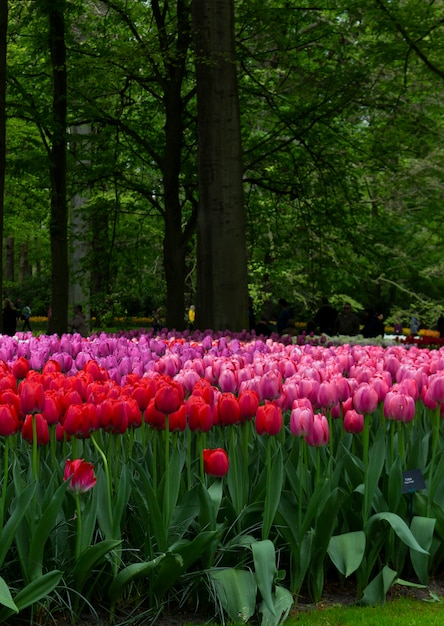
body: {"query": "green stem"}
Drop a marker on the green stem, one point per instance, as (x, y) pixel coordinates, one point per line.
(166, 497)
(5, 480)
(79, 527)
(34, 448)
(302, 444)
(107, 476)
(189, 458)
(365, 440)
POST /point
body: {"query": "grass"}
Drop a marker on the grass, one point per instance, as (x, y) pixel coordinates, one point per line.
(402, 611)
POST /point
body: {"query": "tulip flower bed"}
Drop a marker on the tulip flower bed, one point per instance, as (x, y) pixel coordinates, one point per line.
(229, 473)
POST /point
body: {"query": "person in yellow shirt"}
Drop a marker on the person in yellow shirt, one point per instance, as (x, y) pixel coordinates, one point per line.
(191, 316)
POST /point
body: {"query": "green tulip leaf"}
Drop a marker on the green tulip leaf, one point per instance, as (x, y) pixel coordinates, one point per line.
(347, 551)
(236, 591)
(34, 592)
(282, 603)
(19, 508)
(6, 598)
(422, 529)
(400, 528)
(264, 557)
(273, 493)
(43, 530)
(376, 591)
(90, 558)
(130, 573)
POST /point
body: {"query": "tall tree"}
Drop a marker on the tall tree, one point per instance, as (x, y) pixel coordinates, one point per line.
(57, 164)
(222, 284)
(3, 39)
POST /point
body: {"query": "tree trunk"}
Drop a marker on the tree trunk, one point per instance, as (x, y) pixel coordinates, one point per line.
(9, 259)
(222, 284)
(3, 46)
(24, 267)
(59, 209)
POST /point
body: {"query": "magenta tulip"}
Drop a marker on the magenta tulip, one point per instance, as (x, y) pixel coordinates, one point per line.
(81, 476)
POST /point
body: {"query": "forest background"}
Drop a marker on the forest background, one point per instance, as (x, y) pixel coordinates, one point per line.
(341, 121)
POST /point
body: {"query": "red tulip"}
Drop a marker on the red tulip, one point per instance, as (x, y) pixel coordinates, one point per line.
(41, 429)
(228, 411)
(80, 420)
(216, 462)
(169, 397)
(53, 407)
(9, 421)
(177, 421)
(113, 416)
(353, 421)
(248, 403)
(8, 396)
(268, 419)
(8, 381)
(51, 366)
(153, 417)
(205, 389)
(20, 367)
(200, 414)
(81, 476)
(32, 397)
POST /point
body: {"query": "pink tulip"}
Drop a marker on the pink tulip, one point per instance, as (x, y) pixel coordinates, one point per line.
(301, 422)
(365, 399)
(327, 395)
(399, 407)
(353, 422)
(270, 386)
(320, 435)
(436, 388)
(227, 380)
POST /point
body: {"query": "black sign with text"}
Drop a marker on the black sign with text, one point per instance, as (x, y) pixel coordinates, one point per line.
(412, 480)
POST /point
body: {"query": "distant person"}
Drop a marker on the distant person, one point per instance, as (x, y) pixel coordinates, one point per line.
(440, 325)
(262, 328)
(191, 316)
(347, 322)
(251, 316)
(283, 316)
(78, 322)
(157, 319)
(325, 318)
(9, 318)
(26, 318)
(415, 325)
(373, 324)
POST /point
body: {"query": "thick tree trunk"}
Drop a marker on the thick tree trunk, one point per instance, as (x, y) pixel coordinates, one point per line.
(59, 209)
(3, 46)
(222, 287)
(173, 244)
